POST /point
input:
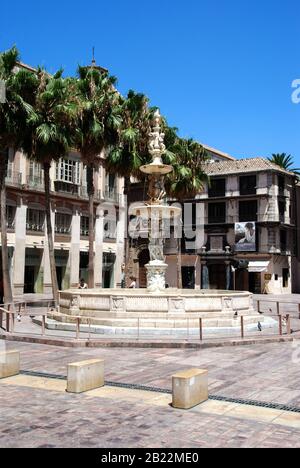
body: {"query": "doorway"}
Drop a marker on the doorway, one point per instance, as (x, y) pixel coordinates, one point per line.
(255, 283)
(217, 276)
(242, 280)
(188, 277)
(29, 280)
(60, 276)
(144, 259)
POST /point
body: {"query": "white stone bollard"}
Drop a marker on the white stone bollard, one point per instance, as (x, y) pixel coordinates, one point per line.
(9, 363)
(86, 375)
(190, 388)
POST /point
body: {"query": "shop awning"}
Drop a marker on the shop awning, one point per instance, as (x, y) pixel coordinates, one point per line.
(258, 267)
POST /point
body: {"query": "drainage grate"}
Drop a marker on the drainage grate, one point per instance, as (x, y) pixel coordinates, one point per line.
(260, 404)
(43, 374)
(241, 401)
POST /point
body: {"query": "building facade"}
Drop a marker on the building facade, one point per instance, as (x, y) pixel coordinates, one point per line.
(240, 233)
(27, 238)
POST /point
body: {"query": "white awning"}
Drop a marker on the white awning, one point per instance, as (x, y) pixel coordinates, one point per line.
(258, 267)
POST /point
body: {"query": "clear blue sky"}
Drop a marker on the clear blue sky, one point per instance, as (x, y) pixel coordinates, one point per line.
(220, 70)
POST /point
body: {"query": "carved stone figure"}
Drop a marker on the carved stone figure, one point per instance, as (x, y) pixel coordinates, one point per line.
(156, 191)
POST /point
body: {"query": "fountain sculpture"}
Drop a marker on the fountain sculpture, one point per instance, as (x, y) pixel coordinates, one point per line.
(155, 211)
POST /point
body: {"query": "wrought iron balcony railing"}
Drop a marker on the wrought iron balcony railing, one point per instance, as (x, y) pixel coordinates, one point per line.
(30, 226)
(35, 182)
(62, 229)
(14, 178)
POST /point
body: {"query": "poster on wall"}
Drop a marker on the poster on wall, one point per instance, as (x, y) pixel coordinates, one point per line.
(245, 237)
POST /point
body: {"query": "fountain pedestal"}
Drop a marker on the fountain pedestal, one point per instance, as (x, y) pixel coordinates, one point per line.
(156, 276)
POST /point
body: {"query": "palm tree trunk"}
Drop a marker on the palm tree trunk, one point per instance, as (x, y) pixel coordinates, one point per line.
(50, 233)
(127, 187)
(91, 194)
(179, 265)
(7, 289)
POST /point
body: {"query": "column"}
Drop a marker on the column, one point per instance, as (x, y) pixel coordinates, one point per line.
(198, 273)
(120, 247)
(74, 259)
(205, 276)
(98, 263)
(46, 260)
(228, 276)
(20, 249)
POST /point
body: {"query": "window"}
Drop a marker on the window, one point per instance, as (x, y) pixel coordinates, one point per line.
(10, 216)
(110, 186)
(285, 277)
(84, 225)
(248, 185)
(109, 226)
(217, 188)
(35, 220)
(281, 183)
(35, 176)
(63, 223)
(216, 213)
(216, 243)
(283, 240)
(68, 170)
(248, 211)
(282, 209)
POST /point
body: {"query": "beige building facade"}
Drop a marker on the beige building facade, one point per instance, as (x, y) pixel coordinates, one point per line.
(27, 238)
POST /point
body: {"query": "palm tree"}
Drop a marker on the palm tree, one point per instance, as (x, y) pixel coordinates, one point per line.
(126, 158)
(285, 161)
(19, 85)
(50, 140)
(188, 177)
(97, 123)
(131, 152)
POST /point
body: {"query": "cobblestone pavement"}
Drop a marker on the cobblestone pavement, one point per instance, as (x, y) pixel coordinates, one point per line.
(39, 414)
(262, 372)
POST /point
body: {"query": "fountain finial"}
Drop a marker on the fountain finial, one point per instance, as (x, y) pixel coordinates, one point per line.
(156, 140)
(156, 149)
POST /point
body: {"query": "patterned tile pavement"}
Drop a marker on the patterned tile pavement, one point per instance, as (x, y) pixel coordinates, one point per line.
(38, 415)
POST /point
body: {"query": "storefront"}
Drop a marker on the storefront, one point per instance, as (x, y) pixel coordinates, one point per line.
(33, 274)
(109, 259)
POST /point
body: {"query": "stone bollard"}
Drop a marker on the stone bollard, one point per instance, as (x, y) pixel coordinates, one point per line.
(190, 388)
(86, 375)
(9, 364)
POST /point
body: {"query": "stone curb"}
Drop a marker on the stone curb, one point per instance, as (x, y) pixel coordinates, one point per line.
(145, 344)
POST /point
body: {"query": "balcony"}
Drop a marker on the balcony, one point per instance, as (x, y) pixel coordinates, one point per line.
(84, 232)
(66, 230)
(84, 194)
(111, 195)
(14, 179)
(30, 226)
(66, 187)
(35, 183)
(222, 219)
(109, 236)
(10, 224)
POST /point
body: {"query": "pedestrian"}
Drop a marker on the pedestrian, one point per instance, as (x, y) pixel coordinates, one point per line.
(133, 283)
(82, 284)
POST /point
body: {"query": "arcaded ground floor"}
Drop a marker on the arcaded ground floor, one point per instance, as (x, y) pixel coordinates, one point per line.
(37, 412)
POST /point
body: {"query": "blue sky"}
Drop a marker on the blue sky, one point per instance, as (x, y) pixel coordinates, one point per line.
(220, 70)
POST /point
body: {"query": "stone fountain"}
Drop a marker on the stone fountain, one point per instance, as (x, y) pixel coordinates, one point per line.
(156, 310)
(155, 211)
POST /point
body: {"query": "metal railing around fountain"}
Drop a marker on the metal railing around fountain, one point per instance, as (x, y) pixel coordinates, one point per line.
(30, 319)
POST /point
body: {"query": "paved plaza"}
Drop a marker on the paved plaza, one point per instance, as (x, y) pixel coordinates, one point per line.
(37, 412)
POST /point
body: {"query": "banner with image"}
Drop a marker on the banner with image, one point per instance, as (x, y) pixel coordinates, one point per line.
(245, 237)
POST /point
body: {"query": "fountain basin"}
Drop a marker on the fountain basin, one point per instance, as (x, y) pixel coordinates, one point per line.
(172, 308)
